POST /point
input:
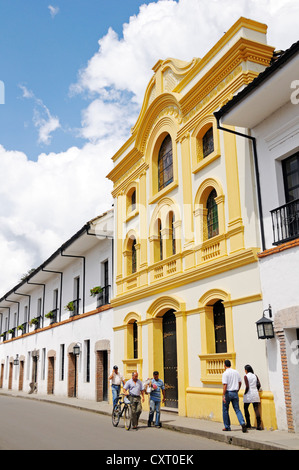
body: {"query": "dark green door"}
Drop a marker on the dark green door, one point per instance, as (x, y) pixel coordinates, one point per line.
(170, 360)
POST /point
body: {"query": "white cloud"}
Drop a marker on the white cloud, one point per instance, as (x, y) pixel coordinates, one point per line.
(42, 118)
(53, 10)
(184, 29)
(43, 203)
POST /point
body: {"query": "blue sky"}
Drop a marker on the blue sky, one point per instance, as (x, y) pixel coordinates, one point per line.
(44, 52)
(75, 73)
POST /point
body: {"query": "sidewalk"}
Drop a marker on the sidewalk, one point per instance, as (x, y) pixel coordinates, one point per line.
(253, 439)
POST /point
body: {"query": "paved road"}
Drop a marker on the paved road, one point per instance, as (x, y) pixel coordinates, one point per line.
(34, 425)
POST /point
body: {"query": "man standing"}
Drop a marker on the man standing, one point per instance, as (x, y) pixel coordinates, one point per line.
(157, 386)
(231, 381)
(134, 388)
(116, 380)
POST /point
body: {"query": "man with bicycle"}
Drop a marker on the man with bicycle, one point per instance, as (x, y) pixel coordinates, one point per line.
(116, 380)
(134, 388)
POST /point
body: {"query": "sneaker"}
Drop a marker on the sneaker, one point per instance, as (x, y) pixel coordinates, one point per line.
(244, 428)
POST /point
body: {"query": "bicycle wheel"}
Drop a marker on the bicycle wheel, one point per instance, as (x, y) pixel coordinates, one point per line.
(116, 414)
(128, 417)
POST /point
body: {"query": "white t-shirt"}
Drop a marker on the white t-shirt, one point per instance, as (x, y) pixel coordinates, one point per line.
(117, 379)
(231, 378)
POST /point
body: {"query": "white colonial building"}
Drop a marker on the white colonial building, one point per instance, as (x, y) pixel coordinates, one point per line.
(268, 109)
(56, 334)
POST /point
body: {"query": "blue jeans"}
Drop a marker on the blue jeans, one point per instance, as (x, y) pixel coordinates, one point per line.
(115, 393)
(233, 398)
(154, 407)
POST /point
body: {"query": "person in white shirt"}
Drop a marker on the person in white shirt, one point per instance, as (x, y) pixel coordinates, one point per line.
(116, 380)
(251, 395)
(231, 381)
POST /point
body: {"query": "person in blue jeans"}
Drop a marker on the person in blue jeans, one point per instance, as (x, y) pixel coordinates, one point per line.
(116, 381)
(231, 381)
(157, 386)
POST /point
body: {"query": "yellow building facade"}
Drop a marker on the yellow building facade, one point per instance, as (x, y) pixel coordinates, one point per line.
(187, 288)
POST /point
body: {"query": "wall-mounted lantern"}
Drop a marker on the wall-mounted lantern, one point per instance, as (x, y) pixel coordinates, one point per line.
(265, 329)
(16, 360)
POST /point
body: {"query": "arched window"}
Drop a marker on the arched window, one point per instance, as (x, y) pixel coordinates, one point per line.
(160, 240)
(133, 200)
(219, 327)
(165, 163)
(172, 233)
(212, 215)
(135, 340)
(208, 143)
(133, 256)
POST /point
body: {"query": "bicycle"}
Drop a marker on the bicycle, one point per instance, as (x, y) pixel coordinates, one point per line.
(122, 407)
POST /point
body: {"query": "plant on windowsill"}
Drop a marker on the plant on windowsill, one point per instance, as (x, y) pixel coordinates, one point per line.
(10, 331)
(49, 314)
(33, 321)
(70, 306)
(20, 327)
(95, 291)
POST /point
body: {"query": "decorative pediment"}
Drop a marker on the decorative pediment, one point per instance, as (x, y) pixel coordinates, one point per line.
(168, 74)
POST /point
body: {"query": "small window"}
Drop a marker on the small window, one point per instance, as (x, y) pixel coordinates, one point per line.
(208, 143)
(165, 163)
(212, 215)
(219, 327)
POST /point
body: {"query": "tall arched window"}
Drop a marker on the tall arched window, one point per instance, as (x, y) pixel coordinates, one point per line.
(219, 327)
(165, 163)
(160, 239)
(134, 257)
(135, 340)
(212, 215)
(171, 226)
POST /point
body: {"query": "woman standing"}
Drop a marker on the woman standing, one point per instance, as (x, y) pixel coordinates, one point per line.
(251, 395)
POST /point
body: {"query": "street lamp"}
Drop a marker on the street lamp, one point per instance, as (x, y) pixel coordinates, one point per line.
(265, 329)
(76, 349)
(16, 360)
(76, 352)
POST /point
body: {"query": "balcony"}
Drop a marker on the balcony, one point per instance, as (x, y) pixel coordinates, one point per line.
(104, 296)
(285, 222)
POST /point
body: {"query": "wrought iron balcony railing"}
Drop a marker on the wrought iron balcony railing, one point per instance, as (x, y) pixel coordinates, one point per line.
(104, 296)
(285, 222)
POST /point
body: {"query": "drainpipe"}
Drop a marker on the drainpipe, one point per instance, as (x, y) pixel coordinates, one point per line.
(112, 251)
(82, 257)
(14, 302)
(2, 318)
(44, 292)
(257, 175)
(61, 277)
(29, 303)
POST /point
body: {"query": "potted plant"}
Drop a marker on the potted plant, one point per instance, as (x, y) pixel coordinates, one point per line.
(33, 321)
(70, 306)
(20, 327)
(50, 314)
(95, 291)
(10, 331)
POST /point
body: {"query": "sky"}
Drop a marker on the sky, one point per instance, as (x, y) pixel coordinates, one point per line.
(74, 73)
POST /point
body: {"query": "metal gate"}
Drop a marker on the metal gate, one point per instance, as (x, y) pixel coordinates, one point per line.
(170, 359)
